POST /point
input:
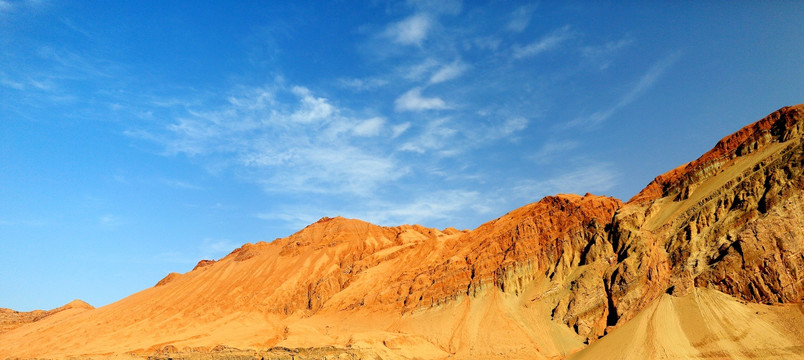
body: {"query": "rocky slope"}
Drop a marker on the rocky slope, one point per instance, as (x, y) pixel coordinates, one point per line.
(539, 282)
(12, 319)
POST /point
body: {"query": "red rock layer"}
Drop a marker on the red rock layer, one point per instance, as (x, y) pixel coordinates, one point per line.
(776, 126)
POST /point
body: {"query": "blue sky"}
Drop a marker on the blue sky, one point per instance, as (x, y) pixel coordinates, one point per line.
(139, 137)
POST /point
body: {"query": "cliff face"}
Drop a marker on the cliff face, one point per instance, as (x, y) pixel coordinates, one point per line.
(548, 277)
(730, 220)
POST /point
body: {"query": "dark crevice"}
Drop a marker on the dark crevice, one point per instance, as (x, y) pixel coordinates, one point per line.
(611, 317)
(586, 250)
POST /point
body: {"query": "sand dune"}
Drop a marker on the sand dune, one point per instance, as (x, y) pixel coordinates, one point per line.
(705, 324)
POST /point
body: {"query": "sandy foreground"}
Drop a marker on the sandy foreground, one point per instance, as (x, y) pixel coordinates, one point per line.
(704, 324)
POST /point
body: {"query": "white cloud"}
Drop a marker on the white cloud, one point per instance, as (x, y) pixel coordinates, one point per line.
(449, 72)
(521, 18)
(644, 83)
(287, 139)
(411, 31)
(398, 130)
(370, 127)
(414, 101)
(367, 84)
(340, 169)
(546, 43)
(513, 125)
(312, 108)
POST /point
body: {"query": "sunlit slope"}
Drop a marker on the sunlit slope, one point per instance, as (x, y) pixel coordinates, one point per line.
(705, 324)
(379, 285)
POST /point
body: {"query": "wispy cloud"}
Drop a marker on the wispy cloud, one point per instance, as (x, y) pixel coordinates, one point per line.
(5, 81)
(413, 100)
(449, 72)
(436, 136)
(410, 31)
(285, 138)
(593, 177)
(546, 43)
(366, 84)
(602, 55)
(428, 208)
(548, 152)
(311, 108)
(398, 130)
(419, 70)
(520, 18)
(425, 207)
(370, 127)
(512, 125)
(645, 82)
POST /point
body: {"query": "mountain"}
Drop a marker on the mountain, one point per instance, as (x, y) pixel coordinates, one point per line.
(706, 262)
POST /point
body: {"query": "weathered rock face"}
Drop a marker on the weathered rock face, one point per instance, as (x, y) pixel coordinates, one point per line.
(731, 220)
(547, 238)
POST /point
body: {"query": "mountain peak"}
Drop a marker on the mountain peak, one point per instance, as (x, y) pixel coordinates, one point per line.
(79, 304)
(779, 126)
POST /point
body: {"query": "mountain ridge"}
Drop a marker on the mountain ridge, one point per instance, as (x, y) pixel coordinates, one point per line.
(542, 281)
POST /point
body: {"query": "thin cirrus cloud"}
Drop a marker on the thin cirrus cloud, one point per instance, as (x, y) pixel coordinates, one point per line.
(449, 72)
(602, 55)
(546, 43)
(645, 82)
